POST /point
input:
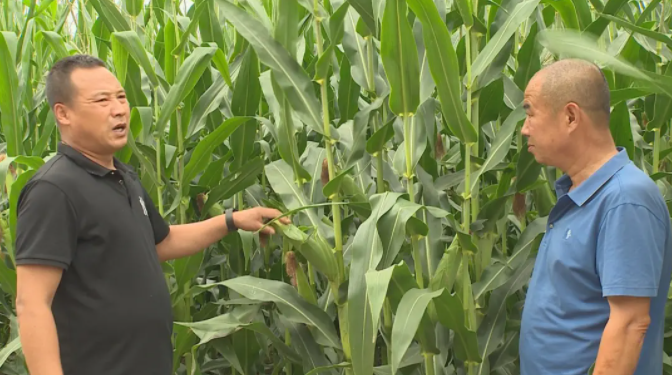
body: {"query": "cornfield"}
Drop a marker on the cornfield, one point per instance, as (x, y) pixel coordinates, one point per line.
(389, 130)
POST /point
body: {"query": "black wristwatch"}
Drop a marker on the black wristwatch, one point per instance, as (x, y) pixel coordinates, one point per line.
(230, 225)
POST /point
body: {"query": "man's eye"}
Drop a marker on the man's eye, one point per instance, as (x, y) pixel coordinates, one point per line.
(101, 100)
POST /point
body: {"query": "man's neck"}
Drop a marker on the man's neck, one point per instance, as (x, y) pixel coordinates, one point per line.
(106, 161)
(588, 162)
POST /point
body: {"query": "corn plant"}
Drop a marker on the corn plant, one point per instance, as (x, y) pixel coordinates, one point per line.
(389, 130)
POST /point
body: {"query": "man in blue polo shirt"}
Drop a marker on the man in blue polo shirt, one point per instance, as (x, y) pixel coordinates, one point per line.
(600, 282)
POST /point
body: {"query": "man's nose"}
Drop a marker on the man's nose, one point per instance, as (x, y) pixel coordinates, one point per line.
(119, 108)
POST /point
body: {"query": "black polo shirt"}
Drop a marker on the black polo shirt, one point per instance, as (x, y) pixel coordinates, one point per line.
(112, 308)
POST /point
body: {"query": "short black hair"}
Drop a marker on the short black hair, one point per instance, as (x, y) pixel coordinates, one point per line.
(59, 87)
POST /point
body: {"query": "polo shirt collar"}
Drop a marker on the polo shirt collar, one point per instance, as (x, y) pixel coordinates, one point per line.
(588, 188)
(88, 164)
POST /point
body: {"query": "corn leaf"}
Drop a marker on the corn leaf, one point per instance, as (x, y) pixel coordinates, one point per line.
(619, 124)
(202, 154)
(365, 10)
(444, 67)
(187, 77)
(17, 186)
(497, 274)
(56, 42)
(450, 313)
(501, 145)
(567, 11)
(491, 330)
(598, 26)
(111, 15)
(290, 75)
(206, 104)
(377, 283)
(486, 56)
(316, 251)
(400, 59)
(292, 306)
(9, 349)
(245, 102)
(234, 183)
(411, 310)
(131, 42)
(10, 116)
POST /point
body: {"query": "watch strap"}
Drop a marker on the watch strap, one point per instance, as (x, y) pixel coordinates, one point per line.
(230, 225)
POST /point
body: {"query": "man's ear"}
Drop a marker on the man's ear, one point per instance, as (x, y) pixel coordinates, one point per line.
(61, 114)
(572, 116)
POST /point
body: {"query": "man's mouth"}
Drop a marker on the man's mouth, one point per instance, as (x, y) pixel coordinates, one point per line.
(119, 128)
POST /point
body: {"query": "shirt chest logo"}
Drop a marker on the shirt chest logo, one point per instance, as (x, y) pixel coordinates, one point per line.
(142, 203)
(568, 234)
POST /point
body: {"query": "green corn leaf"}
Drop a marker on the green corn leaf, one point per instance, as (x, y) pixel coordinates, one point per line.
(464, 7)
(378, 140)
(497, 274)
(651, 34)
(190, 72)
(56, 42)
(662, 111)
(408, 316)
(209, 24)
(9, 349)
(323, 64)
(501, 145)
(17, 186)
(491, 329)
(598, 26)
(222, 66)
(377, 283)
(402, 282)
(528, 59)
(7, 281)
(336, 24)
(567, 11)
(222, 325)
(202, 154)
(206, 104)
(305, 345)
(392, 228)
(356, 50)
(131, 42)
(450, 313)
(360, 126)
(316, 251)
(572, 44)
(10, 117)
(527, 170)
(444, 67)
(111, 15)
(520, 13)
(281, 178)
(400, 59)
(245, 102)
(583, 12)
(366, 254)
(289, 74)
(365, 10)
(619, 124)
(134, 7)
(348, 93)
(234, 183)
(292, 306)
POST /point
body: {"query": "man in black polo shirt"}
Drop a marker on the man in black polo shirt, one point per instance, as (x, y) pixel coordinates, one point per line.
(92, 298)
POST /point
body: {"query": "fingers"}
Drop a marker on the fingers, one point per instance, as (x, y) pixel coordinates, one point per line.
(272, 213)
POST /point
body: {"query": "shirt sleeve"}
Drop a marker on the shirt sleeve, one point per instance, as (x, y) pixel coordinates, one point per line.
(630, 250)
(46, 227)
(159, 225)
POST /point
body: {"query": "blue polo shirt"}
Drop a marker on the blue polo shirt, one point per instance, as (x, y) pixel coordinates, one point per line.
(608, 237)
